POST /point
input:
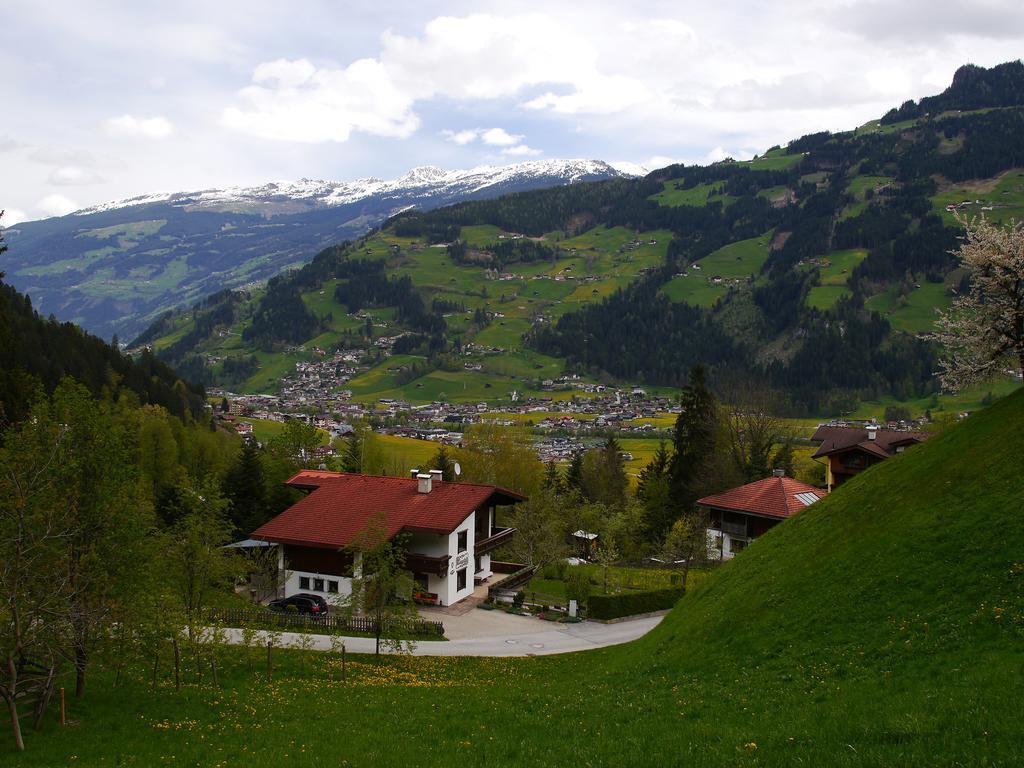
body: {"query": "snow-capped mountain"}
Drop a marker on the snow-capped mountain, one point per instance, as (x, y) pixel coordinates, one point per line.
(425, 182)
(114, 267)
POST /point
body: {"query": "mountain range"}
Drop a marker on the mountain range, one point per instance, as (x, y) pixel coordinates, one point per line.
(812, 272)
(114, 267)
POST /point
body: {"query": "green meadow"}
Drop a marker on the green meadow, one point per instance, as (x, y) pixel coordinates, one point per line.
(881, 626)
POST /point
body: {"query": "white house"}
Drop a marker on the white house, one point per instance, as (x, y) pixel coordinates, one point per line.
(450, 530)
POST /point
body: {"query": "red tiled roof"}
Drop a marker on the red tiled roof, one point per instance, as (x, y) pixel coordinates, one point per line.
(772, 497)
(834, 439)
(341, 505)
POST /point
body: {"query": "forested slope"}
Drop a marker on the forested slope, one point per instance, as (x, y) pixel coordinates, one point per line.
(815, 268)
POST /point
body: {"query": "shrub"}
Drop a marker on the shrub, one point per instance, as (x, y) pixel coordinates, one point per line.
(577, 586)
(606, 607)
(518, 600)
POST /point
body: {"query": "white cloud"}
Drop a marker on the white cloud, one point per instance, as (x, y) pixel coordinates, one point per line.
(499, 137)
(73, 175)
(494, 137)
(462, 137)
(12, 216)
(296, 101)
(57, 205)
(520, 150)
(129, 126)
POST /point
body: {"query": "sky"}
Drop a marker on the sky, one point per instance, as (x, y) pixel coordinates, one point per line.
(107, 100)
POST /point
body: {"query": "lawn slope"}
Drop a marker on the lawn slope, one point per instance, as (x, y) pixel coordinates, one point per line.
(882, 626)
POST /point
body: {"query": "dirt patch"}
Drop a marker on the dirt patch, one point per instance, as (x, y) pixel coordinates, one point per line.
(779, 240)
(978, 186)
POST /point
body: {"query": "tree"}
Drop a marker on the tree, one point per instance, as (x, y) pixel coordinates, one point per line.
(35, 593)
(654, 494)
(502, 456)
(245, 490)
(296, 443)
(443, 462)
(540, 525)
(110, 518)
(686, 544)
(694, 440)
(194, 558)
(607, 556)
(983, 332)
(603, 475)
(381, 585)
(552, 478)
(753, 429)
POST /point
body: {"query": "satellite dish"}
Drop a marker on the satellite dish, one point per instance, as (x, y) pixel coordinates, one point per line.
(458, 469)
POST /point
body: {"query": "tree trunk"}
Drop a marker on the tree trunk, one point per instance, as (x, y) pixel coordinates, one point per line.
(377, 631)
(12, 708)
(213, 669)
(12, 704)
(270, 661)
(80, 663)
(177, 664)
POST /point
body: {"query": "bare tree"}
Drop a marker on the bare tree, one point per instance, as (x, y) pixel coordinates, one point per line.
(983, 332)
(753, 430)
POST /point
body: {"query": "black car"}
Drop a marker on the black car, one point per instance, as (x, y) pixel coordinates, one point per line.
(303, 602)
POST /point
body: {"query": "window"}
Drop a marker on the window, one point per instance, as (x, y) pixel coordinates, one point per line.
(737, 545)
(332, 587)
(318, 585)
(460, 580)
(463, 540)
(303, 582)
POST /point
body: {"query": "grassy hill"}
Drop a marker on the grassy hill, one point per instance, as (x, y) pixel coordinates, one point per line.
(815, 268)
(882, 626)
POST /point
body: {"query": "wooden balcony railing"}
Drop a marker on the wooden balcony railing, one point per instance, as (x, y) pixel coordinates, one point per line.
(427, 564)
(734, 529)
(498, 537)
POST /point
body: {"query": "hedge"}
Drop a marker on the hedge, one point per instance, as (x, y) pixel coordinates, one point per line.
(604, 607)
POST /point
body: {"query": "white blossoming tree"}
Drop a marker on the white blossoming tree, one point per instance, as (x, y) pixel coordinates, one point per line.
(983, 332)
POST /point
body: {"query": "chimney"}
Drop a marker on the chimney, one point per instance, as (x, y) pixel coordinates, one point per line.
(872, 432)
(778, 473)
(424, 483)
(437, 476)
(414, 473)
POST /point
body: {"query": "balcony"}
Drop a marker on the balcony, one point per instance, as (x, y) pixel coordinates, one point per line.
(734, 529)
(498, 537)
(438, 566)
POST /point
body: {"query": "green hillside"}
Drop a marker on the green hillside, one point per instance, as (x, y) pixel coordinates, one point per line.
(882, 626)
(813, 271)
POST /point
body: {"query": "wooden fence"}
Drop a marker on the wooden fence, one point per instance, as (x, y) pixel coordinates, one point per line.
(237, 617)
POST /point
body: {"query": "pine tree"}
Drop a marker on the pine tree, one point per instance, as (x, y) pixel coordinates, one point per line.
(552, 478)
(443, 462)
(693, 439)
(244, 489)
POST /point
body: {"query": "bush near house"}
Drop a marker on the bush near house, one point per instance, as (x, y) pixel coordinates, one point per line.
(604, 607)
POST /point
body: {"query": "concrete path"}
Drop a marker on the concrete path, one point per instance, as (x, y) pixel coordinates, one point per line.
(494, 633)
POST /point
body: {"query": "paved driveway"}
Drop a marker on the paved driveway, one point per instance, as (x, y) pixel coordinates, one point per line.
(495, 633)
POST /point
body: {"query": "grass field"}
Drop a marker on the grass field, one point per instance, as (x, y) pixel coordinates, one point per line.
(915, 312)
(834, 269)
(735, 261)
(1003, 193)
(858, 187)
(699, 195)
(880, 627)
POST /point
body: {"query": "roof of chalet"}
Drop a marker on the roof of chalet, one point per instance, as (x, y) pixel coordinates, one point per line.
(341, 505)
(835, 439)
(772, 497)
